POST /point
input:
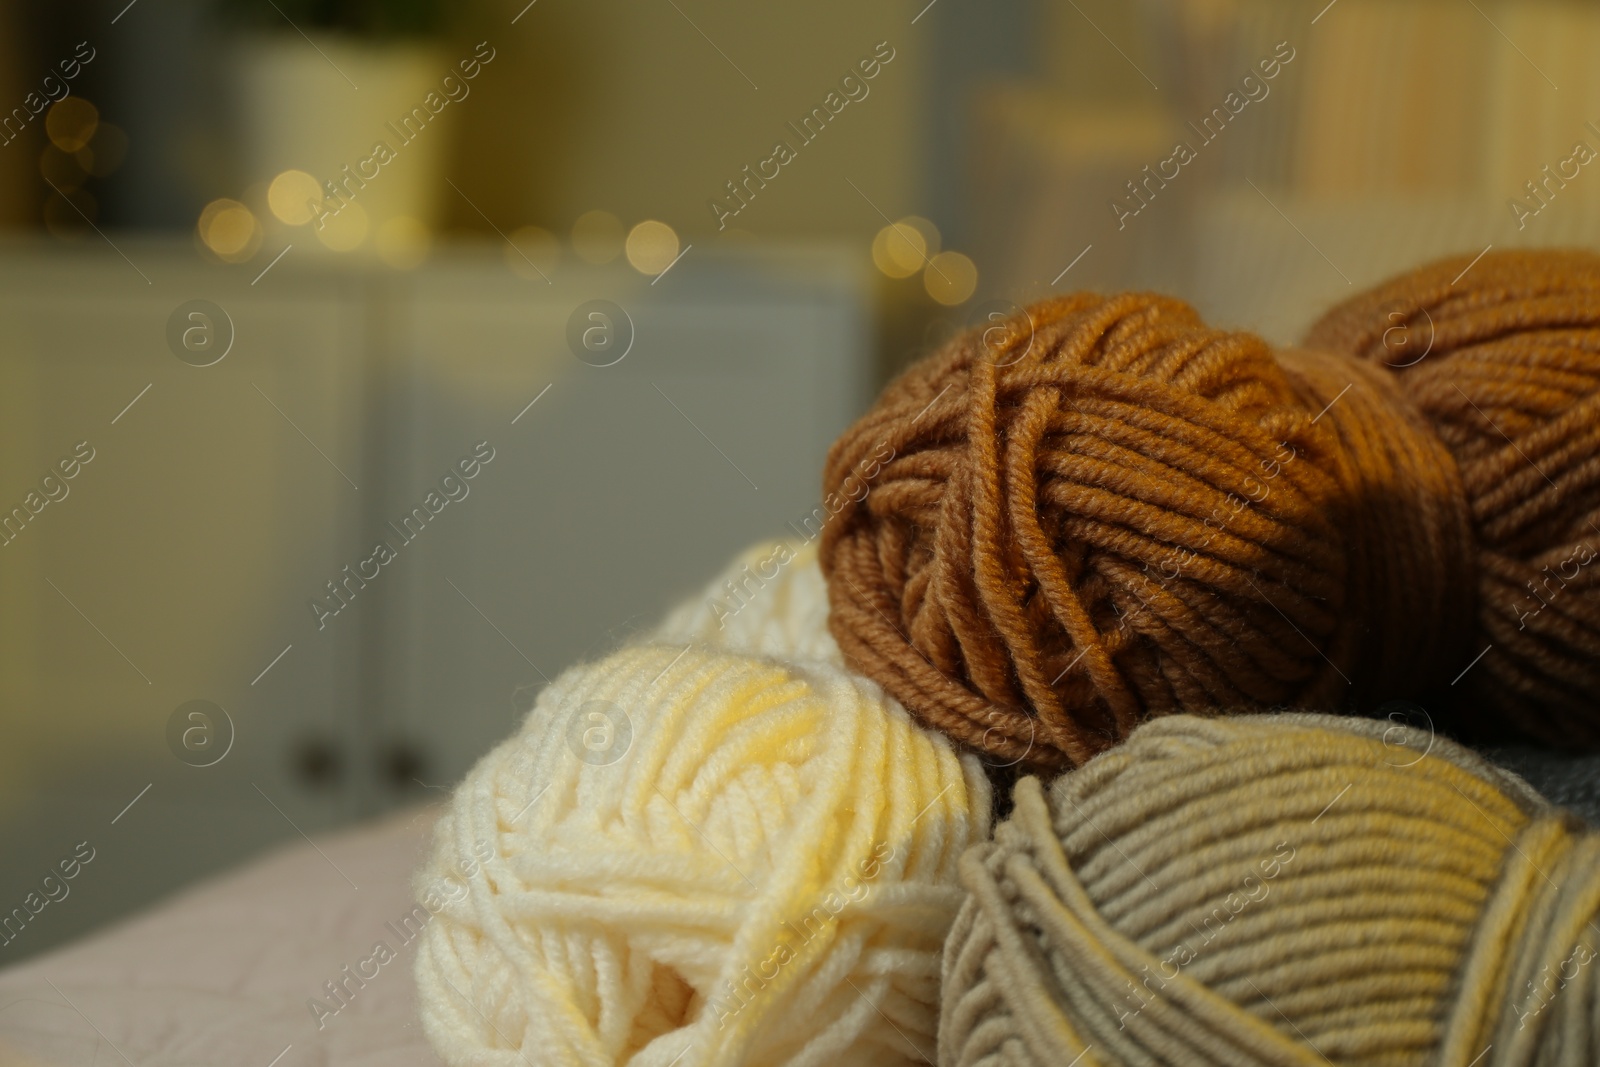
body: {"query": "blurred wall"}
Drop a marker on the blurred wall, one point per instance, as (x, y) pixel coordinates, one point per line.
(639, 109)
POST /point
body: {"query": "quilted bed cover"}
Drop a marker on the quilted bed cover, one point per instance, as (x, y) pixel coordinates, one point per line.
(232, 971)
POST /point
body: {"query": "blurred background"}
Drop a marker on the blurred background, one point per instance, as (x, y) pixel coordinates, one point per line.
(281, 269)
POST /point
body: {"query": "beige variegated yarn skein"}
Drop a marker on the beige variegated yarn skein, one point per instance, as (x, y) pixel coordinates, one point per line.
(699, 858)
(771, 600)
(1289, 890)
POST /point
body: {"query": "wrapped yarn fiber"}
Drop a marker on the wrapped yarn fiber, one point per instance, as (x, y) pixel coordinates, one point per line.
(1502, 356)
(1286, 890)
(770, 601)
(1109, 511)
(698, 858)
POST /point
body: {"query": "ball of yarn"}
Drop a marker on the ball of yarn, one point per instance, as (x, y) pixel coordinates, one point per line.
(1107, 511)
(687, 857)
(1503, 357)
(1278, 890)
(771, 600)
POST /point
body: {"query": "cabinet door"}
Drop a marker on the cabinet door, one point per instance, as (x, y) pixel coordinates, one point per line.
(622, 488)
(204, 507)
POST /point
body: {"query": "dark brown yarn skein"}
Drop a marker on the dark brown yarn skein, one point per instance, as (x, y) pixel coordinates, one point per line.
(1502, 355)
(1108, 511)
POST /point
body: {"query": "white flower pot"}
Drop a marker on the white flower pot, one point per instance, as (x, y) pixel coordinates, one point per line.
(324, 106)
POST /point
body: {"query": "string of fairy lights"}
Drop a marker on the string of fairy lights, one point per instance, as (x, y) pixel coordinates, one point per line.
(82, 147)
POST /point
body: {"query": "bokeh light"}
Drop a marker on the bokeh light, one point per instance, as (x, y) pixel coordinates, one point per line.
(294, 197)
(951, 278)
(530, 250)
(898, 250)
(902, 248)
(230, 230)
(345, 229)
(403, 242)
(597, 237)
(652, 246)
(71, 122)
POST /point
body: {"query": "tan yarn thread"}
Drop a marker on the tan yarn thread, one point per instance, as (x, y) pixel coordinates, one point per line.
(1428, 899)
(1039, 567)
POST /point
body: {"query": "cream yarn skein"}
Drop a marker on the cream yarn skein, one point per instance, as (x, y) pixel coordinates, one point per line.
(771, 600)
(699, 858)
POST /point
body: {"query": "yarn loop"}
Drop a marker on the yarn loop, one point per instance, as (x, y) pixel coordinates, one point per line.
(1284, 890)
(1502, 355)
(762, 873)
(1134, 515)
(770, 600)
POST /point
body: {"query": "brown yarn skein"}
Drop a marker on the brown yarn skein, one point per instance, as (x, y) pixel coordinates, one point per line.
(1503, 357)
(1109, 511)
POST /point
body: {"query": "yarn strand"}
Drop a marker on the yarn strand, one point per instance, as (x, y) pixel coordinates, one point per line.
(1136, 515)
(1283, 890)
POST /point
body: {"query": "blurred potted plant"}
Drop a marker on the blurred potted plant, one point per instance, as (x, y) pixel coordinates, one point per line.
(317, 85)
(368, 19)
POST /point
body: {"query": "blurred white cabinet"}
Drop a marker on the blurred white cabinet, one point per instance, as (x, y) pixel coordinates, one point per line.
(623, 487)
(159, 574)
(222, 501)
